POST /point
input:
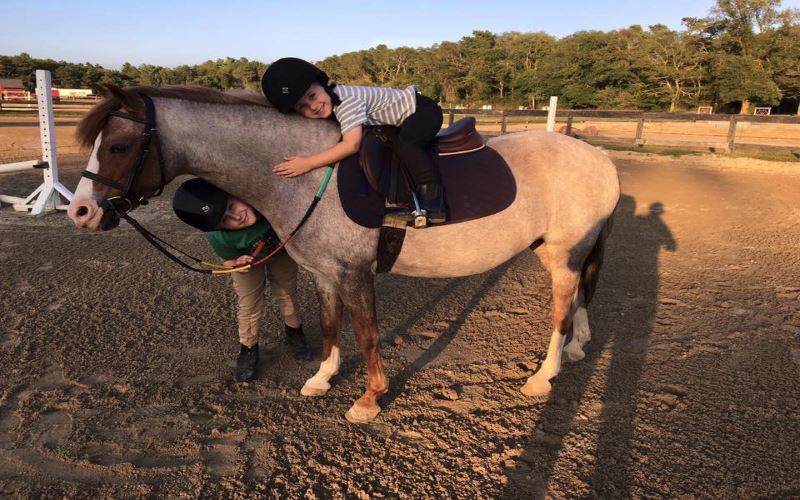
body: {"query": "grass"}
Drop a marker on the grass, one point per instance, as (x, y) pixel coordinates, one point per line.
(788, 156)
(782, 156)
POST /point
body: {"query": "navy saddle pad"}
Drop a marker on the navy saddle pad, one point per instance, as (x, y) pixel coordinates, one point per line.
(476, 184)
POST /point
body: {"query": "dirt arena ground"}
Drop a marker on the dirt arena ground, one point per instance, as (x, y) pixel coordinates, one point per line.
(115, 365)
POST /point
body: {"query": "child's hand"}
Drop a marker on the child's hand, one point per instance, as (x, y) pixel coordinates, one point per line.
(243, 260)
(293, 166)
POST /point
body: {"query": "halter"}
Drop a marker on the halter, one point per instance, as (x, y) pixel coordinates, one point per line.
(122, 204)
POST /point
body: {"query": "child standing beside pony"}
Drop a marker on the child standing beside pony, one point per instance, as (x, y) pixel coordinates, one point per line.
(234, 228)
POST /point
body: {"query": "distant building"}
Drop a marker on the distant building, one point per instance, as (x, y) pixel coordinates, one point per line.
(12, 88)
(72, 93)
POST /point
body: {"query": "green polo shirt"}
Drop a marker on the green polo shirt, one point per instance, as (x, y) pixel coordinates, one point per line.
(231, 245)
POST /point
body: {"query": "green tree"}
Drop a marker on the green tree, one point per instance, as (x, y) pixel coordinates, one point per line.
(677, 65)
(739, 34)
(524, 53)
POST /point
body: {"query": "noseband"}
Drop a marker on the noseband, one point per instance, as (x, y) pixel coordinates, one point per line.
(122, 204)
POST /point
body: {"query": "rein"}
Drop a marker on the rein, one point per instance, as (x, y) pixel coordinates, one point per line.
(160, 244)
(113, 204)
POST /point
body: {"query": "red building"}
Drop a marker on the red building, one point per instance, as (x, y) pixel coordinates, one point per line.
(11, 88)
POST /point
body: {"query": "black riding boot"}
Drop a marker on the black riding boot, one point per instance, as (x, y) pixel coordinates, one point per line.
(297, 342)
(246, 363)
(432, 200)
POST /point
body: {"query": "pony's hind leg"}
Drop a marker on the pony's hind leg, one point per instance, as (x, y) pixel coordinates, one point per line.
(581, 334)
(330, 307)
(565, 285)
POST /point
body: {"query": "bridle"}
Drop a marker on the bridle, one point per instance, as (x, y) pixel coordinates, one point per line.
(122, 204)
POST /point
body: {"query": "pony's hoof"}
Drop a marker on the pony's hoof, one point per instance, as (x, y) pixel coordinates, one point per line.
(536, 389)
(360, 415)
(314, 391)
(571, 355)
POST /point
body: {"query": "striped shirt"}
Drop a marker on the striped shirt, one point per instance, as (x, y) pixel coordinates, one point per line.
(373, 106)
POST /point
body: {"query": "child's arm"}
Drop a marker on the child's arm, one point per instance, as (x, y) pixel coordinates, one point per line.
(299, 165)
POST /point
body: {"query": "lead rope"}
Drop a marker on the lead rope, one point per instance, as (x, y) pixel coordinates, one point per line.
(159, 244)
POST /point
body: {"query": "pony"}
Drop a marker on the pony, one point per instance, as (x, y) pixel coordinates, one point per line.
(566, 193)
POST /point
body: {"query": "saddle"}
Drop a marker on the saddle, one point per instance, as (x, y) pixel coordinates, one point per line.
(375, 155)
(477, 183)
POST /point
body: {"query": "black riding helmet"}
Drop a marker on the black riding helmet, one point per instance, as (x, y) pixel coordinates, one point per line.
(287, 80)
(200, 204)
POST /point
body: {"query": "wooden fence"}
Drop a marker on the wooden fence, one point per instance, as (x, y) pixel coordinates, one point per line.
(569, 118)
(62, 105)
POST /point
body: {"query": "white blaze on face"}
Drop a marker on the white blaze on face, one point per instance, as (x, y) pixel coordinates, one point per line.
(83, 209)
(84, 189)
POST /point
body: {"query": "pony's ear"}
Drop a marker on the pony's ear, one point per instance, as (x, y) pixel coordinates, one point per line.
(98, 89)
(130, 103)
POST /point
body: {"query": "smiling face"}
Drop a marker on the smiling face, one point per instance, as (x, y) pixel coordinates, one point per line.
(315, 103)
(238, 216)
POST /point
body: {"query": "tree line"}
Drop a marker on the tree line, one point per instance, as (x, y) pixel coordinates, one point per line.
(743, 53)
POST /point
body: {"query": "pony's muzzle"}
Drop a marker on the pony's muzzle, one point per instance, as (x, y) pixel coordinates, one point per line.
(85, 213)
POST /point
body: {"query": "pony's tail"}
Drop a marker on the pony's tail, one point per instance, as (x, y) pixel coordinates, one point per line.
(594, 261)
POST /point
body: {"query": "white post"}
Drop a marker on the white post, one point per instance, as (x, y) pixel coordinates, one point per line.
(46, 197)
(551, 113)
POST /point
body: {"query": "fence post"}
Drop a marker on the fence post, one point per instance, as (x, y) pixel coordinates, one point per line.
(732, 132)
(502, 122)
(568, 130)
(551, 113)
(450, 117)
(639, 130)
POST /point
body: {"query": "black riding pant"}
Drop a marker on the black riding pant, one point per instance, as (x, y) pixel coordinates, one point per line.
(416, 134)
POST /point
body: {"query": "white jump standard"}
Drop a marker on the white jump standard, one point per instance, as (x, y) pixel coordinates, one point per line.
(47, 197)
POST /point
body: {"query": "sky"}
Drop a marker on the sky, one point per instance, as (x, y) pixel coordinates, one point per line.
(170, 33)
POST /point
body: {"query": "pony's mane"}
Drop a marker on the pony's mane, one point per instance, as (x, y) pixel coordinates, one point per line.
(94, 121)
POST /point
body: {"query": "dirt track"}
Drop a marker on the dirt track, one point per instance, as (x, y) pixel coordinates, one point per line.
(115, 366)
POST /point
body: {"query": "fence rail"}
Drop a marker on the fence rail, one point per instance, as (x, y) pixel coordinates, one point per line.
(640, 118)
(567, 116)
(62, 105)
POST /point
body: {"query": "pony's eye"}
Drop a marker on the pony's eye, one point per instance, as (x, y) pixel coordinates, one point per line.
(119, 148)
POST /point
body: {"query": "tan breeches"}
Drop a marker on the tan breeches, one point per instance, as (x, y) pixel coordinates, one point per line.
(281, 271)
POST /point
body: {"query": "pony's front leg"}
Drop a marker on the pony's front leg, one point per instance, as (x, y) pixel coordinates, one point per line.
(359, 297)
(330, 319)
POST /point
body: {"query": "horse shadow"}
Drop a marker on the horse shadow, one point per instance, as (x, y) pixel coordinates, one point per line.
(622, 316)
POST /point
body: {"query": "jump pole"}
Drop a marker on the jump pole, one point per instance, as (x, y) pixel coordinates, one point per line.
(47, 197)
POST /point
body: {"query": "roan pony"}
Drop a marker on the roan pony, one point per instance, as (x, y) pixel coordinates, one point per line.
(566, 194)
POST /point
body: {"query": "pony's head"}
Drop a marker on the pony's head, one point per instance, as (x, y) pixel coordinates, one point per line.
(124, 168)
